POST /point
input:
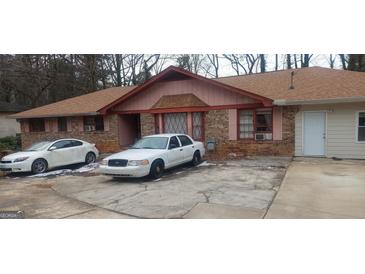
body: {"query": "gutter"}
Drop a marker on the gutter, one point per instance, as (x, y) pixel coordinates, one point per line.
(14, 116)
(283, 102)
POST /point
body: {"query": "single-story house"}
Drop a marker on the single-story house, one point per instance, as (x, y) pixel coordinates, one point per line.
(9, 126)
(304, 112)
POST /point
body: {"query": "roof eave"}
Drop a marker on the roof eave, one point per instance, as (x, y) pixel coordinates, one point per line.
(15, 116)
(284, 102)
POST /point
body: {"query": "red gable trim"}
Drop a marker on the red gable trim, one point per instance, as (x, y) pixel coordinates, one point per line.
(265, 101)
(192, 109)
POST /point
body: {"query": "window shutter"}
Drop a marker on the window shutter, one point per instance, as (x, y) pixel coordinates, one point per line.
(47, 124)
(69, 124)
(232, 124)
(277, 114)
(25, 125)
(106, 123)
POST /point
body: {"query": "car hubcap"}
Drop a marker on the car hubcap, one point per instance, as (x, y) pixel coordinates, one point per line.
(90, 158)
(39, 167)
(158, 169)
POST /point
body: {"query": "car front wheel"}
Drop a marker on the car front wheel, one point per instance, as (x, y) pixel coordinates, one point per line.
(39, 166)
(157, 170)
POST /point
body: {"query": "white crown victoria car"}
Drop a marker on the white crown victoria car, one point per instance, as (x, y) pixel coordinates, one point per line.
(43, 156)
(152, 154)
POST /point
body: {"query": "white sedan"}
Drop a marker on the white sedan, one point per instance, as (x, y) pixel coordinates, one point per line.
(152, 154)
(42, 156)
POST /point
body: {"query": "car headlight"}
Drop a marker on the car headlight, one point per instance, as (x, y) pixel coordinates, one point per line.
(20, 159)
(104, 162)
(138, 162)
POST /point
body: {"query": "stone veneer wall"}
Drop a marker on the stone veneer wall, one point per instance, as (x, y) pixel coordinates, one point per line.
(217, 128)
(106, 141)
(147, 124)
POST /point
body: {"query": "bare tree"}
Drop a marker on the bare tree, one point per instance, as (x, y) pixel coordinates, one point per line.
(305, 58)
(288, 61)
(211, 67)
(332, 60)
(344, 61)
(276, 61)
(262, 63)
(245, 62)
(356, 62)
(191, 62)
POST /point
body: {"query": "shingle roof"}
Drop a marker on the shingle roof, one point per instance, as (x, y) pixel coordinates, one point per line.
(10, 107)
(81, 105)
(179, 100)
(310, 84)
(314, 83)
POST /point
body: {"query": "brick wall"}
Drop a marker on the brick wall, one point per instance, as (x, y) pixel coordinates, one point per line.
(147, 124)
(106, 141)
(217, 128)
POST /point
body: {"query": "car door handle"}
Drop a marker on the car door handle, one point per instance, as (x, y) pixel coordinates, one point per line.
(192, 146)
(181, 149)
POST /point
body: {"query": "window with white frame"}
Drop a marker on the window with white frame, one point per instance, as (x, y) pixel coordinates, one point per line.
(361, 126)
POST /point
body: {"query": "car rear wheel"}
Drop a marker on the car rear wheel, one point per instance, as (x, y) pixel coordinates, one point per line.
(157, 169)
(90, 158)
(196, 158)
(39, 166)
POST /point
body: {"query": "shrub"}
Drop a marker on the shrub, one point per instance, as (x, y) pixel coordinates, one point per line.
(10, 143)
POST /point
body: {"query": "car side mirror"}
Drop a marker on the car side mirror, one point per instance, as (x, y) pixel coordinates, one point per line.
(172, 146)
(52, 148)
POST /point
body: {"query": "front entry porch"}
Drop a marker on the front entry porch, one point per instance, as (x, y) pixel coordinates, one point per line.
(129, 129)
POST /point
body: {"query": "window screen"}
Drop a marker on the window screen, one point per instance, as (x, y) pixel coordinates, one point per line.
(62, 124)
(264, 121)
(246, 129)
(197, 125)
(175, 123)
(36, 125)
(92, 123)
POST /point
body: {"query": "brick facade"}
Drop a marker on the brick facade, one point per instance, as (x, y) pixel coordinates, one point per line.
(217, 129)
(106, 141)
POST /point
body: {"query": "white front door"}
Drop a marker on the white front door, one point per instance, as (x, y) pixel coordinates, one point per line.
(314, 137)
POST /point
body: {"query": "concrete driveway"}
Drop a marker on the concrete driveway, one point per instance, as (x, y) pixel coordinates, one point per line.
(321, 188)
(231, 189)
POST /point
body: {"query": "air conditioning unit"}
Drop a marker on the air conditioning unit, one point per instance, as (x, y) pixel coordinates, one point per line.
(263, 136)
(89, 128)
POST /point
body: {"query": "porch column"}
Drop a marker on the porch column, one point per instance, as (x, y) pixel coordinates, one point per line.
(190, 124)
(160, 122)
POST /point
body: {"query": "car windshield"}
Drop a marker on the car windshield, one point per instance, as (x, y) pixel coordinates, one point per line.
(151, 143)
(38, 146)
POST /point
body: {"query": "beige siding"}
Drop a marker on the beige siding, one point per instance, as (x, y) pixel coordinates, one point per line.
(8, 127)
(341, 130)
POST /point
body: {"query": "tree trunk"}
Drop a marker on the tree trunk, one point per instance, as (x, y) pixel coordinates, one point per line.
(288, 61)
